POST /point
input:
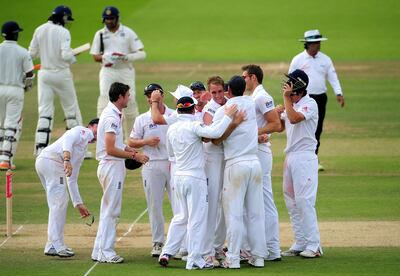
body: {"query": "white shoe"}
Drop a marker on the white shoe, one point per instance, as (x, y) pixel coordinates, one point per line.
(180, 254)
(184, 258)
(244, 255)
(220, 254)
(291, 253)
(256, 261)
(113, 260)
(310, 254)
(88, 155)
(164, 260)
(206, 266)
(157, 248)
(227, 264)
(212, 260)
(65, 253)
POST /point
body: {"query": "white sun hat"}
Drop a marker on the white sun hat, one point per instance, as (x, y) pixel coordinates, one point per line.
(183, 91)
(312, 36)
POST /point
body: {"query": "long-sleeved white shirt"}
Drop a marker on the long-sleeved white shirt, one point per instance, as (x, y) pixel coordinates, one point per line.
(184, 141)
(15, 62)
(75, 141)
(52, 44)
(319, 69)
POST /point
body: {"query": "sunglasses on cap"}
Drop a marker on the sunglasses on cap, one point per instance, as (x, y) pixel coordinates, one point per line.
(184, 105)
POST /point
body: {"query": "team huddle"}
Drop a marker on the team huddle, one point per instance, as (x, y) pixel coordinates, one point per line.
(211, 151)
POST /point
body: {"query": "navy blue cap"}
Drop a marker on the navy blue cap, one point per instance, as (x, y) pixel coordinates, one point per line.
(10, 27)
(110, 12)
(63, 11)
(197, 85)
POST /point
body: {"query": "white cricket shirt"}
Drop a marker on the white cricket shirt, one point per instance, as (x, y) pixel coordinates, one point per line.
(184, 141)
(301, 136)
(15, 62)
(211, 107)
(264, 104)
(243, 141)
(145, 127)
(124, 41)
(319, 69)
(110, 121)
(75, 141)
(52, 44)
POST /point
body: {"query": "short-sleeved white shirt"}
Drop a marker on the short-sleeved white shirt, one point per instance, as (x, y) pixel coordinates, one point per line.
(110, 122)
(211, 108)
(52, 44)
(301, 136)
(124, 41)
(15, 62)
(145, 127)
(264, 104)
(243, 141)
(318, 69)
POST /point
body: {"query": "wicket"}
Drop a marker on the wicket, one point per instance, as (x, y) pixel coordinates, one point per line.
(9, 177)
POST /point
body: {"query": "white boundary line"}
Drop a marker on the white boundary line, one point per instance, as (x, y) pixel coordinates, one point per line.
(130, 228)
(16, 231)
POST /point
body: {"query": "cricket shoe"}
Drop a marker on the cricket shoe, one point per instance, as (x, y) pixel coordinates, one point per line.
(113, 260)
(212, 260)
(256, 261)
(180, 255)
(244, 255)
(220, 254)
(273, 258)
(65, 253)
(291, 253)
(4, 165)
(227, 264)
(206, 266)
(157, 247)
(310, 254)
(164, 260)
(88, 155)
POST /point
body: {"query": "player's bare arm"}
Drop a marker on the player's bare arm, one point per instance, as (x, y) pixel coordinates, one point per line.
(67, 163)
(272, 123)
(156, 115)
(239, 117)
(151, 141)
(289, 98)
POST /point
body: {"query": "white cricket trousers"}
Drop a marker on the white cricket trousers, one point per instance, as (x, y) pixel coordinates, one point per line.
(242, 190)
(50, 84)
(52, 176)
(126, 76)
(11, 104)
(214, 168)
(156, 177)
(191, 217)
(271, 213)
(111, 174)
(300, 184)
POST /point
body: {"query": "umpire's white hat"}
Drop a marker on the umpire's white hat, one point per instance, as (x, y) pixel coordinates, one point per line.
(183, 91)
(312, 36)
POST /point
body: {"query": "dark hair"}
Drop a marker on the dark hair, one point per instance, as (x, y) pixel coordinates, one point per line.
(93, 122)
(256, 70)
(116, 90)
(237, 85)
(187, 110)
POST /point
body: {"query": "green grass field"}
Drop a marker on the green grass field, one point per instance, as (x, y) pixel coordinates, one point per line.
(191, 40)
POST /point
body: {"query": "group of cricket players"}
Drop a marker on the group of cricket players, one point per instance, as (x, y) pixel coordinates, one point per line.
(211, 151)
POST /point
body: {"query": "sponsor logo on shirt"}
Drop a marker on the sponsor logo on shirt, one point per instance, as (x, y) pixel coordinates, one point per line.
(119, 185)
(211, 111)
(305, 109)
(269, 104)
(114, 126)
(152, 126)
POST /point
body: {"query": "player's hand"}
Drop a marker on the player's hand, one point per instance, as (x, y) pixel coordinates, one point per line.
(129, 149)
(340, 100)
(205, 97)
(83, 210)
(140, 157)
(262, 138)
(205, 140)
(152, 141)
(280, 109)
(231, 110)
(67, 168)
(287, 89)
(239, 117)
(156, 96)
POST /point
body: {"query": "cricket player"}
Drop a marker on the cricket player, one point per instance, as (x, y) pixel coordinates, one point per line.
(300, 169)
(319, 68)
(199, 90)
(267, 122)
(58, 168)
(214, 167)
(242, 187)
(116, 47)
(15, 76)
(51, 43)
(156, 174)
(184, 139)
(111, 153)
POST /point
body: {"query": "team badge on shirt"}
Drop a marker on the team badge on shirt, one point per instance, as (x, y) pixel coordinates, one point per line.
(152, 126)
(269, 104)
(114, 126)
(305, 109)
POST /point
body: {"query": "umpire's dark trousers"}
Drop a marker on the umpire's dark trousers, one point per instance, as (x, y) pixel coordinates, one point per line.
(321, 100)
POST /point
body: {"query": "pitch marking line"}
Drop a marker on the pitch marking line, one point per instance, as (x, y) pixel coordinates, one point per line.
(130, 228)
(16, 231)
